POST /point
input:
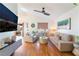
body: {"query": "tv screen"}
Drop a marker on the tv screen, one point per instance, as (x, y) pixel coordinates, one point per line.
(7, 26)
(8, 20)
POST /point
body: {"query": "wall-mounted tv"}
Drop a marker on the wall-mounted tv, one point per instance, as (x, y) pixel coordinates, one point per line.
(8, 20)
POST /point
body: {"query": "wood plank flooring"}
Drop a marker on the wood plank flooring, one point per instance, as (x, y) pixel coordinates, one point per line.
(37, 49)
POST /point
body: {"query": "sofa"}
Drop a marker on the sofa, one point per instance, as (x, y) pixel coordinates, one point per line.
(34, 36)
(10, 49)
(63, 42)
(8, 45)
(30, 37)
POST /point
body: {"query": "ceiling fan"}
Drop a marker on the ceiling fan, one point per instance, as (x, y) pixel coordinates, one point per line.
(43, 11)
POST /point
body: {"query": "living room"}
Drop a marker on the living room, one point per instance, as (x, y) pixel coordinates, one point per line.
(44, 28)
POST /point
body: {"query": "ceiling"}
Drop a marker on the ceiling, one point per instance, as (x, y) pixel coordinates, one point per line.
(55, 9)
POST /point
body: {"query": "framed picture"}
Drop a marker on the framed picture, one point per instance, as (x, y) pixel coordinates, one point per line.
(64, 24)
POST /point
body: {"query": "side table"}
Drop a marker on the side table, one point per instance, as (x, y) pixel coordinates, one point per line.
(76, 49)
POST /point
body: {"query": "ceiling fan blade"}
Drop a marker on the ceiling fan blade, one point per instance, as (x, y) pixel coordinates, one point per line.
(43, 12)
(38, 11)
(46, 13)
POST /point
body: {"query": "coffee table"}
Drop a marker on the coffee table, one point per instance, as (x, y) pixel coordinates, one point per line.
(43, 40)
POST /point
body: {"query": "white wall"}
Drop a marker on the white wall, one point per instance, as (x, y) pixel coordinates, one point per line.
(74, 14)
(13, 8)
(32, 17)
(36, 19)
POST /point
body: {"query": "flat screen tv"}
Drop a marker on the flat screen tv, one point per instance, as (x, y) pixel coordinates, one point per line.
(8, 20)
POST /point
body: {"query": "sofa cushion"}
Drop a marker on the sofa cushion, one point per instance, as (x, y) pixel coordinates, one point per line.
(7, 39)
(65, 37)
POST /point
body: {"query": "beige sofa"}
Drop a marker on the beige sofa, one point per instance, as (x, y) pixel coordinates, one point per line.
(62, 43)
(27, 38)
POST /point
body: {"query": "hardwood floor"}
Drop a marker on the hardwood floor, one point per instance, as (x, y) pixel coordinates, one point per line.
(37, 49)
